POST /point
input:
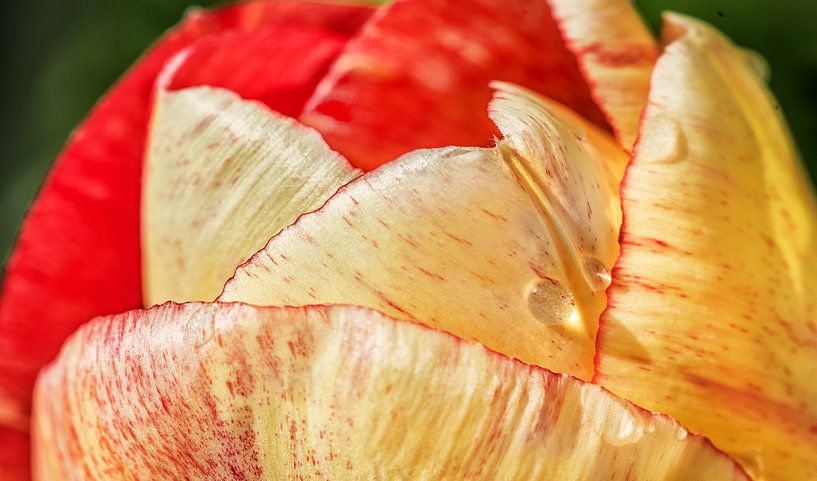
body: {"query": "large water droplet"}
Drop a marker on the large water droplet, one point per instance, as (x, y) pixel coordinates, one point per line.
(596, 274)
(662, 140)
(681, 433)
(550, 302)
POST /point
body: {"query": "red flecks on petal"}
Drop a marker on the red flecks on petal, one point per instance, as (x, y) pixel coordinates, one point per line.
(418, 76)
(78, 253)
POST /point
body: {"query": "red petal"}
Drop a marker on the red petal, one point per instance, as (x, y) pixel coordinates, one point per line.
(230, 61)
(15, 455)
(418, 76)
(78, 254)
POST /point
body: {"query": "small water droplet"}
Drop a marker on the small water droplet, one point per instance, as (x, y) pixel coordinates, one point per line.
(199, 330)
(550, 302)
(623, 430)
(662, 140)
(596, 274)
(681, 433)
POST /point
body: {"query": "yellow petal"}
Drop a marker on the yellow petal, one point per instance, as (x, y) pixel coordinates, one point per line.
(488, 244)
(713, 314)
(225, 392)
(616, 52)
(223, 175)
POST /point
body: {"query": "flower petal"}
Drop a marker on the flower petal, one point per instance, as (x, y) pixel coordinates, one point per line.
(712, 316)
(440, 56)
(15, 455)
(78, 254)
(223, 175)
(227, 391)
(488, 244)
(279, 66)
(616, 53)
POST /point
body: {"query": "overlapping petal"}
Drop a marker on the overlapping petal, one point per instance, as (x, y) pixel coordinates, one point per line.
(418, 76)
(78, 253)
(223, 175)
(713, 315)
(616, 53)
(225, 392)
(509, 246)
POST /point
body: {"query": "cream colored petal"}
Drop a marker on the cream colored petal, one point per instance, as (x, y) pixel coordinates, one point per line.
(488, 244)
(616, 52)
(225, 392)
(713, 315)
(223, 175)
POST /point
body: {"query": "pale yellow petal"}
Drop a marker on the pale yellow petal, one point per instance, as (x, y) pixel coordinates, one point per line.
(225, 392)
(488, 244)
(713, 315)
(223, 175)
(616, 52)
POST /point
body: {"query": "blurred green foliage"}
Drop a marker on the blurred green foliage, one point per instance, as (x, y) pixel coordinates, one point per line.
(59, 57)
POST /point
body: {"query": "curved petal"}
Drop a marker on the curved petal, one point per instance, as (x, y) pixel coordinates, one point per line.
(616, 53)
(222, 176)
(226, 392)
(484, 243)
(713, 317)
(78, 254)
(441, 56)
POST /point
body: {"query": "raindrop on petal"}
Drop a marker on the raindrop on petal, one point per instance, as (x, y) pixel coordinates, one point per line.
(550, 302)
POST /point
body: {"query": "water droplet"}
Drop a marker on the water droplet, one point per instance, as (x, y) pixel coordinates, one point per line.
(550, 302)
(199, 330)
(596, 274)
(623, 430)
(681, 433)
(662, 140)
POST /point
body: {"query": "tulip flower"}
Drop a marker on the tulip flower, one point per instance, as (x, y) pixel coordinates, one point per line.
(429, 240)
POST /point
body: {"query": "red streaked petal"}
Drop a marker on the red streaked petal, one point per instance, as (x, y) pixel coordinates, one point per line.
(418, 76)
(78, 253)
(616, 52)
(229, 392)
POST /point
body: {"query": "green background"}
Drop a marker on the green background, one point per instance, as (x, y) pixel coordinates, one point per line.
(59, 57)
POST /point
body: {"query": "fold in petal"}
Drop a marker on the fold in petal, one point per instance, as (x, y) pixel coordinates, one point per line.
(616, 53)
(222, 176)
(418, 76)
(713, 315)
(228, 391)
(78, 253)
(509, 246)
